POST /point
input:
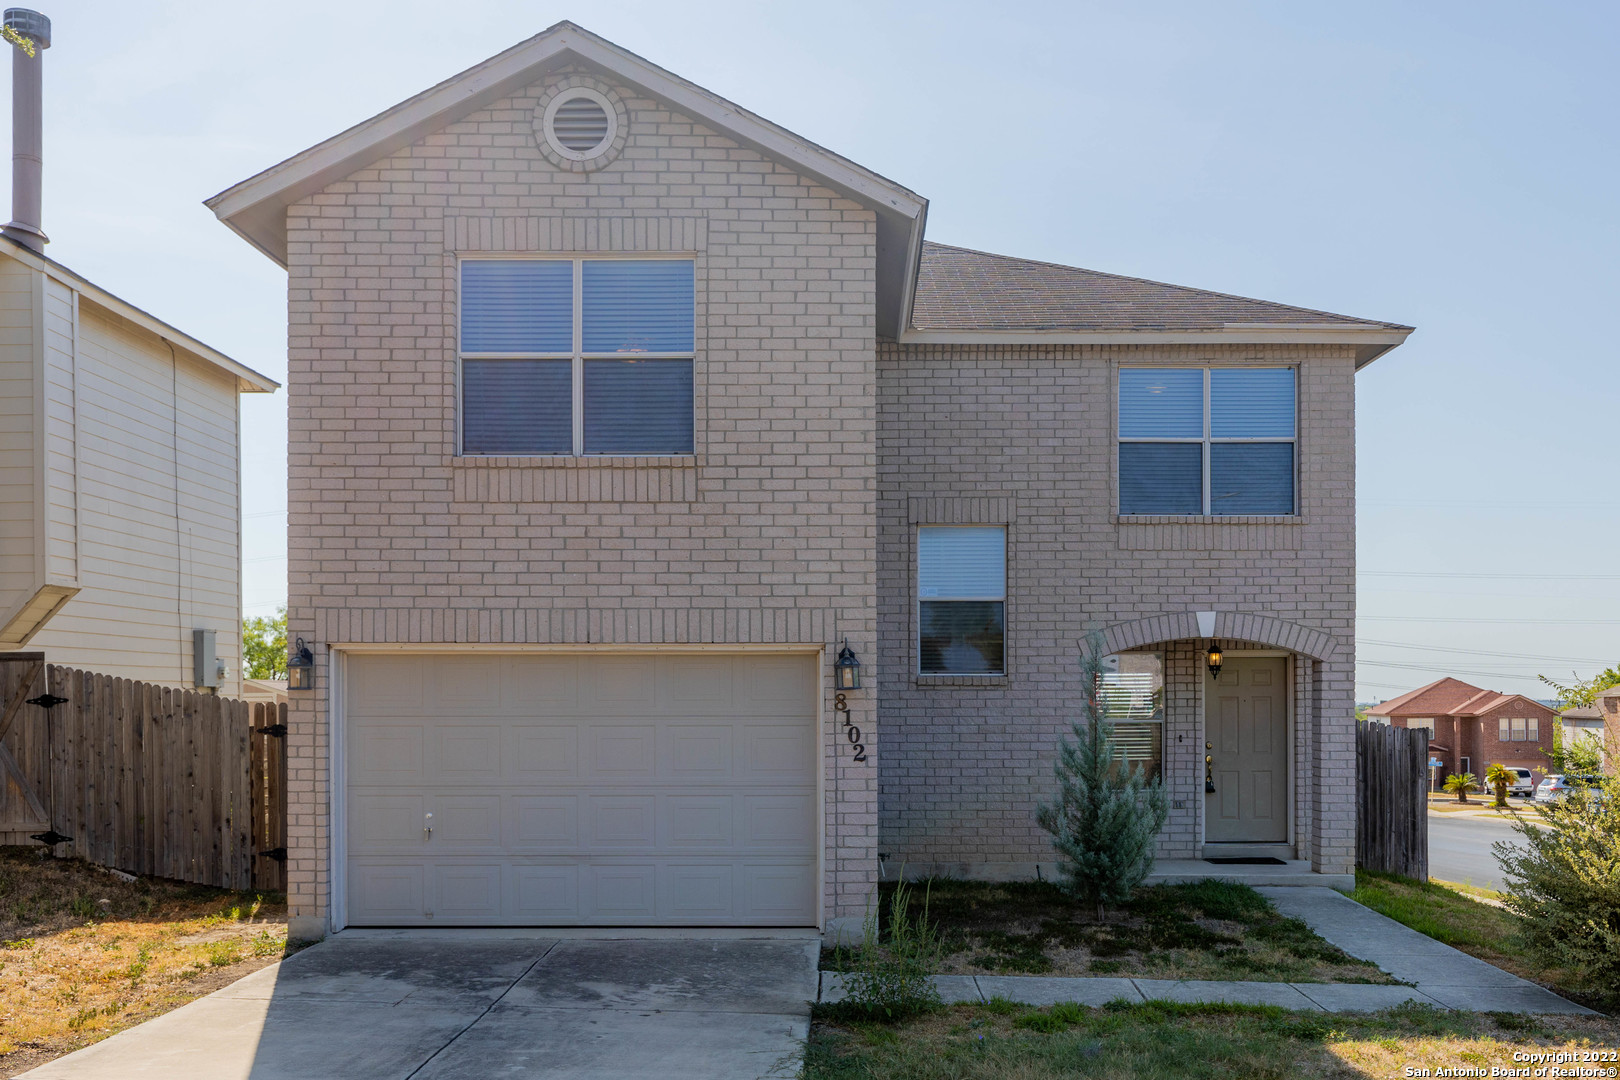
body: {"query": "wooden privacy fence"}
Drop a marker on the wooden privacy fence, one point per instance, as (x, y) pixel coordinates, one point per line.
(1392, 803)
(147, 779)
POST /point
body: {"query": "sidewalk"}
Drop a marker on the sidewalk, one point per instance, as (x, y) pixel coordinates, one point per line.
(1441, 976)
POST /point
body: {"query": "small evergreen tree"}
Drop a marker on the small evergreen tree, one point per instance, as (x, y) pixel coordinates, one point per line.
(1105, 821)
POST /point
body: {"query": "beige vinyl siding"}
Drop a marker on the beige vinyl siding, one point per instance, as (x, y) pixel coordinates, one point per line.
(157, 499)
(61, 454)
(17, 568)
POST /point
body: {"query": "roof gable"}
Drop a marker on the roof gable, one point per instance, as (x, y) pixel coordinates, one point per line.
(1436, 699)
(256, 207)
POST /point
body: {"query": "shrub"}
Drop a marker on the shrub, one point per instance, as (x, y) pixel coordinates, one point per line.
(1105, 821)
(889, 979)
(1499, 778)
(1564, 884)
(1461, 784)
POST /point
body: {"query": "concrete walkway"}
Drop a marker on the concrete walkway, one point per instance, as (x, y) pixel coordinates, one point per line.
(1441, 975)
(469, 1004)
(1452, 978)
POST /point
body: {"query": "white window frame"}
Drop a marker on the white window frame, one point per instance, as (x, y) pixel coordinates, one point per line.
(577, 355)
(916, 614)
(1208, 439)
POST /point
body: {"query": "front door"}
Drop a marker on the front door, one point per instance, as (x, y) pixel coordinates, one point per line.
(1246, 737)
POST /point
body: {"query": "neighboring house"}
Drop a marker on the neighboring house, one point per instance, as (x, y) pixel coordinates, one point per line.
(266, 691)
(120, 488)
(616, 411)
(1600, 719)
(1472, 729)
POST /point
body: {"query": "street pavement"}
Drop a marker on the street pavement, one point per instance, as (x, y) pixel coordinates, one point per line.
(1460, 847)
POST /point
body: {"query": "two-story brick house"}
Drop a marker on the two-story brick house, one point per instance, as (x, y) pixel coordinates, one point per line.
(616, 412)
(1471, 729)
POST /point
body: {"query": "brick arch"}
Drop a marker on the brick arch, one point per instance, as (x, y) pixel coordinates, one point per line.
(1229, 625)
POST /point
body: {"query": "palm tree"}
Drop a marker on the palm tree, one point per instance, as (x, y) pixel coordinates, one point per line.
(1462, 785)
(1499, 776)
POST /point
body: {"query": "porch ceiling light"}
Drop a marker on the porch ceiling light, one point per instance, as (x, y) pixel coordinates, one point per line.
(1215, 660)
(301, 668)
(846, 669)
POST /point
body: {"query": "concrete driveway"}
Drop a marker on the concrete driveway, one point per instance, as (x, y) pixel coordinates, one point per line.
(436, 1005)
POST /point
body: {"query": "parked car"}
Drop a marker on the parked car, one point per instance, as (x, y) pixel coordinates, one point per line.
(1558, 786)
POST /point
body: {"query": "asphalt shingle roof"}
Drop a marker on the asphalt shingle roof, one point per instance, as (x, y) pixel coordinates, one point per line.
(959, 289)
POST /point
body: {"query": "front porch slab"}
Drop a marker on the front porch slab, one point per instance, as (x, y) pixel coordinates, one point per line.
(1292, 872)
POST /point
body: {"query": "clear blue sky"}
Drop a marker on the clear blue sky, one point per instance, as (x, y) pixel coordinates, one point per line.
(1447, 165)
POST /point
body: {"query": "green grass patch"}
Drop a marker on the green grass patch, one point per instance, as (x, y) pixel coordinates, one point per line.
(1004, 1041)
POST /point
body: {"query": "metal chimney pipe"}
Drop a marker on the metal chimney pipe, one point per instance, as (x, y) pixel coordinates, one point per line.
(27, 128)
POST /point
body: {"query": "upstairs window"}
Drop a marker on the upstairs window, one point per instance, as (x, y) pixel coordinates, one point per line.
(961, 600)
(1518, 729)
(1207, 441)
(577, 356)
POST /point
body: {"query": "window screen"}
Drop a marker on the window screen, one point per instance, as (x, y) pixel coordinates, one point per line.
(961, 593)
(577, 356)
(1216, 441)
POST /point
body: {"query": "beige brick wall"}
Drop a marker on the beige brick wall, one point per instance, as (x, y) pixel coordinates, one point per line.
(767, 535)
(1024, 435)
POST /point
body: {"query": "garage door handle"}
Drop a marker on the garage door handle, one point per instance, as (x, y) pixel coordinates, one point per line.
(427, 826)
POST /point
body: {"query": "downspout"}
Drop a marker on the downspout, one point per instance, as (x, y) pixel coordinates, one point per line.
(27, 129)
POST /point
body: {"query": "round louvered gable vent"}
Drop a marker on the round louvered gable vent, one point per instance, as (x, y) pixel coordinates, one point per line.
(580, 124)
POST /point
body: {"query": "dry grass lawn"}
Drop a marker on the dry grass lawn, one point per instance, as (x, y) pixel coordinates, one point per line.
(1201, 930)
(1004, 1041)
(84, 954)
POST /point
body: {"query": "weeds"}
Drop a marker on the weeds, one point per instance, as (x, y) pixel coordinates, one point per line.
(889, 978)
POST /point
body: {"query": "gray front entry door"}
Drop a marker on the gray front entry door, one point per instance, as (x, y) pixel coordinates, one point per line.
(1246, 728)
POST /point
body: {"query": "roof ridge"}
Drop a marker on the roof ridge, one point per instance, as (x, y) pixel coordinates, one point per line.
(1192, 289)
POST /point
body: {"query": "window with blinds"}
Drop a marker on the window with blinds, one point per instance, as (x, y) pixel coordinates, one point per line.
(961, 600)
(1207, 441)
(1131, 696)
(1518, 729)
(577, 356)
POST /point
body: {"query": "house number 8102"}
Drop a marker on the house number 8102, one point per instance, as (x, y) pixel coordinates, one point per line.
(853, 733)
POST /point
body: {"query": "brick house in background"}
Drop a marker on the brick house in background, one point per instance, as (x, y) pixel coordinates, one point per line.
(1472, 729)
(616, 411)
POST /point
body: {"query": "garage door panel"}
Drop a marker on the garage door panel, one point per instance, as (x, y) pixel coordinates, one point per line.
(466, 753)
(782, 890)
(543, 823)
(781, 823)
(592, 789)
(624, 891)
(698, 821)
(384, 683)
(622, 821)
(545, 893)
(694, 685)
(618, 686)
(697, 751)
(392, 751)
(777, 753)
(704, 892)
(472, 820)
(623, 751)
(779, 686)
(385, 822)
(467, 892)
(535, 685)
(388, 892)
(544, 751)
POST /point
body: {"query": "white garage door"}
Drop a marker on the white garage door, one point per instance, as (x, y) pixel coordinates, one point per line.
(584, 789)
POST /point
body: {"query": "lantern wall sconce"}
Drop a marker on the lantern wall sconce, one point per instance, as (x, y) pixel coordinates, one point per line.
(1215, 660)
(846, 669)
(301, 668)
